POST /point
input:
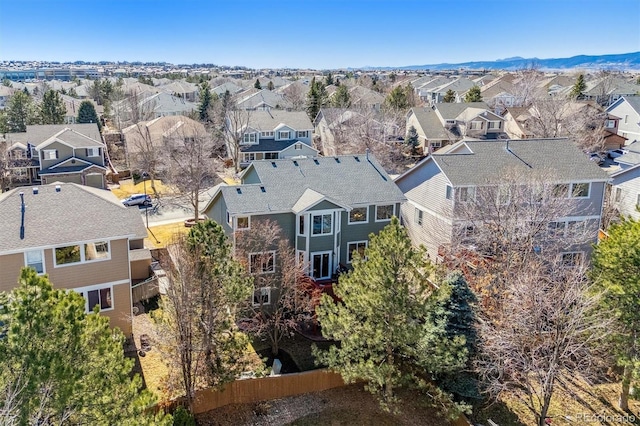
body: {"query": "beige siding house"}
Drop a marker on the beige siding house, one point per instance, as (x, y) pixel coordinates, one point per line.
(82, 238)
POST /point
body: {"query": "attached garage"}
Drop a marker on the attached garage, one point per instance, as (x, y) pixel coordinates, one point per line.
(95, 180)
(75, 178)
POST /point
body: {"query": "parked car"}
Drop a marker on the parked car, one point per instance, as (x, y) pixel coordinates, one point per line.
(137, 200)
(615, 153)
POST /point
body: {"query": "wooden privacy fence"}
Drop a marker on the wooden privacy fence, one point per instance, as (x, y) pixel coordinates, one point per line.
(272, 387)
(144, 290)
(265, 388)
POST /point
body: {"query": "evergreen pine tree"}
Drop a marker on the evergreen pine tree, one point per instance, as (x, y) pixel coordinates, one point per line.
(387, 333)
(473, 95)
(87, 114)
(257, 84)
(328, 80)
(52, 108)
(316, 98)
(412, 140)
(616, 272)
(449, 97)
(270, 86)
(579, 87)
(341, 98)
(205, 103)
(19, 112)
(64, 366)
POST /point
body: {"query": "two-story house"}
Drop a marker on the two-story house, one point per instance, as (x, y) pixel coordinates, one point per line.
(432, 135)
(628, 109)
(83, 238)
(625, 182)
(438, 188)
(58, 153)
(470, 120)
(272, 134)
(326, 206)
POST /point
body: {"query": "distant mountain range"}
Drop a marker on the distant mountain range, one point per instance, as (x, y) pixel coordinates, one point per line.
(619, 62)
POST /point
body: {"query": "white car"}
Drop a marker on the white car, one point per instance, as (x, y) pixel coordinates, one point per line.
(615, 153)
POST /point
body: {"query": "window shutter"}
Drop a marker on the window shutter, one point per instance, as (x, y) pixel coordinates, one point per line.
(56, 154)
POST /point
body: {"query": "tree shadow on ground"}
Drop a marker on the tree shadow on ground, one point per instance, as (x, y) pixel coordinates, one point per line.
(498, 412)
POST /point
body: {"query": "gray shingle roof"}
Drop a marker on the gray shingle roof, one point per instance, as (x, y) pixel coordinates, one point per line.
(344, 180)
(76, 213)
(430, 123)
(37, 134)
(449, 111)
(74, 139)
(268, 120)
(489, 160)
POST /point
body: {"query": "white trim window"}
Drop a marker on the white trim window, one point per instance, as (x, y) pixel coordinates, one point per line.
(302, 134)
(297, 147)
(97, 295)
(359, 246)
(322, 224)
(93, 152)
(243, 222)
(250, 138)
(476, 125)
(359, 215)
(248, 156)
(229, 219)
(262, 262)
(494, 125)
(302, 224)
(81, 253)
(284, 135)
(266, 134)
(418, 216)
(449, 192)
(580, 190)
(618, 195)
(262, 296)
(49, 154)
(611, 124)
(466, 194)
(35, 259)
(385, 212)
(270, 155)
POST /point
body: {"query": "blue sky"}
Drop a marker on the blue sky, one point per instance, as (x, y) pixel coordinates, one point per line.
(317, 34)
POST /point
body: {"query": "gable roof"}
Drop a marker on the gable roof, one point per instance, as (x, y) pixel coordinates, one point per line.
(71, 138)
(348, 180)
(450, 111)
(429, 123)
(267, 121)
(37, 134)
(633, 101)
(76, 213)
(484, 162)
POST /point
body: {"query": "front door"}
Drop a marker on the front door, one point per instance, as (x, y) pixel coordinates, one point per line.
(321, 265)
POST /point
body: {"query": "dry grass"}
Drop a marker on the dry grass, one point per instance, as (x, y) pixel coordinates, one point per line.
(127, 188)
(164, 234)
(567, 405)
(154, 370)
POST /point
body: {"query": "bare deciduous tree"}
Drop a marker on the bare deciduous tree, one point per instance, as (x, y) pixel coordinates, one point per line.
(547, 332)
(283, 295)
(196, 326)
(295, 94)
(236, 123)
(191, 165)
(502, 228)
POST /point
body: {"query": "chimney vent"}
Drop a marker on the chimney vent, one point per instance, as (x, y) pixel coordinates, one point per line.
(57, 188)
(35, 190)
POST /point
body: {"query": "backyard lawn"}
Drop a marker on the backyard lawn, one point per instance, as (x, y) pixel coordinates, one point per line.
(162, 235)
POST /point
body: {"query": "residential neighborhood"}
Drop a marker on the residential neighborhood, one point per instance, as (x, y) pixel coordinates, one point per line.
(199, 229)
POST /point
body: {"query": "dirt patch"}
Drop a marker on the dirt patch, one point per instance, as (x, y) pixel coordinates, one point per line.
(349, 405)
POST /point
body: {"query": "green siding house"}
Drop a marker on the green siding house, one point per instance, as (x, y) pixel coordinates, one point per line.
(326, 206)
